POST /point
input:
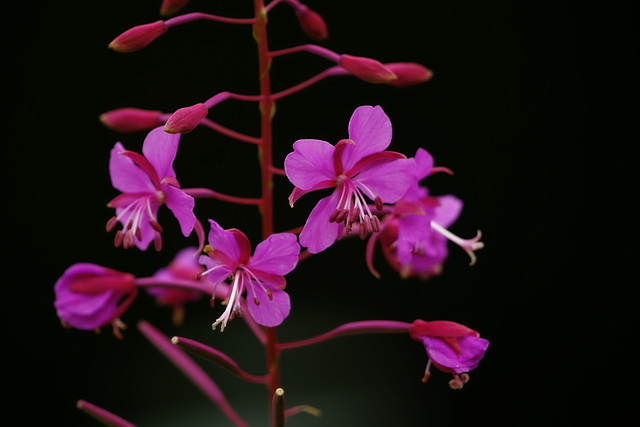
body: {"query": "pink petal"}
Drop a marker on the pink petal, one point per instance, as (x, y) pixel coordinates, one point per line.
(270, 312)
(472, 350)
(231, 243)
(219, 274)
(181, 204)
(388, 179)
(424, 163)
(125, 175)
(278, 254)
(448, 211)
(411, 229)
(160, 148)
(310, 163)
(318, 233)
(370, 129)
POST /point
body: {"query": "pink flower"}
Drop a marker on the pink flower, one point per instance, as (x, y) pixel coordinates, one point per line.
(357, 167)
(183, 266)
(88, 296)
(228, 257)
(146, 183)
(414, 237)
(186, 119)
(451, 347)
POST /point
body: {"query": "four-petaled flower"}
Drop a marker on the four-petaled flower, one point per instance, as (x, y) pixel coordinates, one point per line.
(451, 347)
(358, 168)
(147, 181)
(89, 296)
(228, 257)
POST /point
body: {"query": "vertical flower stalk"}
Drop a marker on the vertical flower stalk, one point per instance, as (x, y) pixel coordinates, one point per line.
(267, 107)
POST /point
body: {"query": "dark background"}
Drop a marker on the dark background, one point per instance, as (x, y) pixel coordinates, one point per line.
(534, 107)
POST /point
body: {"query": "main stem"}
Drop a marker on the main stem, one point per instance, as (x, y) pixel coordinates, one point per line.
(266, 161)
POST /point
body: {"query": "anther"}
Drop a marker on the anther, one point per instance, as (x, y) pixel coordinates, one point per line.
(375, 223)
(270, 295)
(378, 202)
(255, 301)
(155, 225)
(111, 224)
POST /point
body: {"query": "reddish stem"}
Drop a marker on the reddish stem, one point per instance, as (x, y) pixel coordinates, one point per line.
(266, 161)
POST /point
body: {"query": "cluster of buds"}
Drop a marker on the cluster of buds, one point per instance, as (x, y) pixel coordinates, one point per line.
(373, 193)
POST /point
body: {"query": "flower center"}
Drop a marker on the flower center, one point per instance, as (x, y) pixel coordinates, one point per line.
(352, 206)
(133, 216)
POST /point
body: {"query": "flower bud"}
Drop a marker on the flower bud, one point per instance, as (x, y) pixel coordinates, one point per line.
(312, 23)
(130, 120)
(138, 37)
(409, 73)
(169, 7)
(366, 69)
(186, 119)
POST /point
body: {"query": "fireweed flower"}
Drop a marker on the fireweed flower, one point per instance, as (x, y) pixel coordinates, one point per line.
(451, 347)
(184, 266)
(89, 296)
(414, 237)
(357, 168)
(228, 257)
(147, 181)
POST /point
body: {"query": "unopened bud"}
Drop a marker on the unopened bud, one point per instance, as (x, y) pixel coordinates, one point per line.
(367, 69)
(129, 120)
(138, 37)
(409, 73)
(169, 7)
(186, 119)
(312, 23)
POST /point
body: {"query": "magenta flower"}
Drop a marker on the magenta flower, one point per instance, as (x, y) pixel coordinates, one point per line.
(146, 183)
(228, 257)
(414, 237)
(451, 347)
(89, 296)
(184, 266)
(358, 168)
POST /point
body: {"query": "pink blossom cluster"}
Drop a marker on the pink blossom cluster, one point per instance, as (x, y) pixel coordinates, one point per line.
(370, 192)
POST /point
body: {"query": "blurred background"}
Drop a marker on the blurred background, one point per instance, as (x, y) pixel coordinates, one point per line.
(532, 105)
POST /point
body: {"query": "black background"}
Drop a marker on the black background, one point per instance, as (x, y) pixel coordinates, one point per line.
(534, 107)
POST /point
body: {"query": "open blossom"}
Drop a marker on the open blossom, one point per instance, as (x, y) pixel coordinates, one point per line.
(358, 169)
(147, 181)
(228, 258)
(414, 237)
(184, 266)
(451, 347)
(89, 296)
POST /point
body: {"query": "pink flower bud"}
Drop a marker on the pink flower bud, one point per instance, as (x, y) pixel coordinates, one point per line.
(169, 7)
(312, 23)
(409, 73)
(130, 120)
(366, 69)
(186, 119)
(138, 37)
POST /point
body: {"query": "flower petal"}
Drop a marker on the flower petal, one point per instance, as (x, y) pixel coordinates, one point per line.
(310, 163)
(411, 229)
(388, 179)
(278, 254)
(125, 175)
(181, 204)
(472, 350)
(269, 312)
(370, 130)
(160, 148)
(448, 211)
(233, 245)
(318, 233)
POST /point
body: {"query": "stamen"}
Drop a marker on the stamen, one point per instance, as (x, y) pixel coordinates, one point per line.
(468, 245)
(111, 224)
(378, 202)
(427, 372)
(458, 381)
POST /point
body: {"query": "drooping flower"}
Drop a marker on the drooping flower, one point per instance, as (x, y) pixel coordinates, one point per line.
(89, 296)
(147, 181)
(414, 237)
(228, 258)
(357, 168)
(184, 266)
(451, 347)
